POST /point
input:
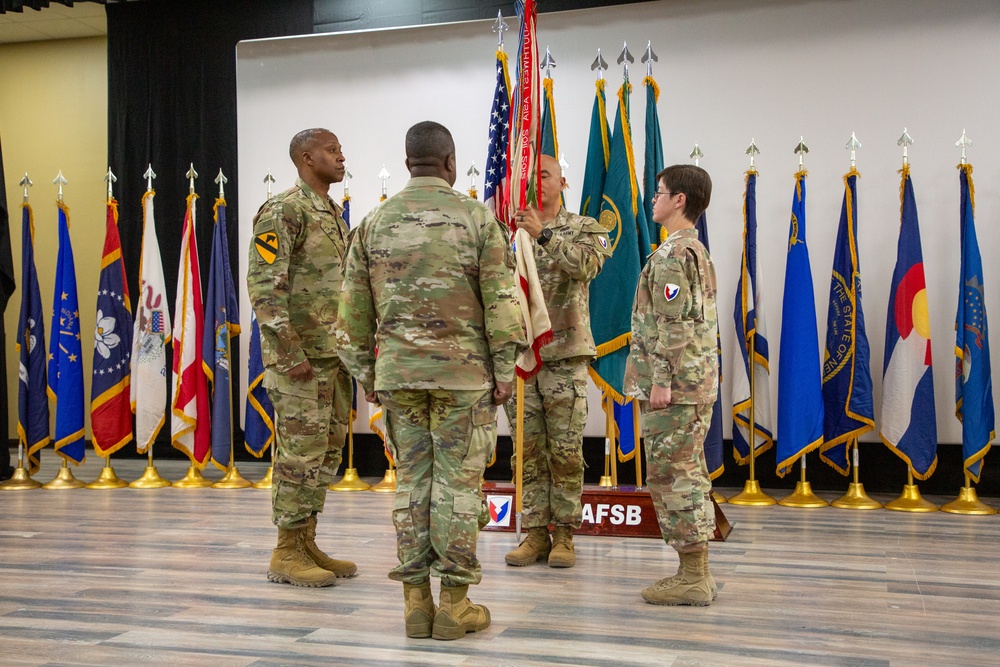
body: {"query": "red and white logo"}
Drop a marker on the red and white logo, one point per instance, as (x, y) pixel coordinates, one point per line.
(671, 291)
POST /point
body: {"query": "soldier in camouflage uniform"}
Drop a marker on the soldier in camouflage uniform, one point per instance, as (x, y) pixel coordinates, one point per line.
(569, 252)
(428, 282)
(672, 370)
(293, 281)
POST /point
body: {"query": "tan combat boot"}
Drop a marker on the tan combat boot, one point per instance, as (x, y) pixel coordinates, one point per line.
(534, 548)
(341, 568)
(419, 612)
(290, 564)
(563, 554)
(693, 585)
(457, 615)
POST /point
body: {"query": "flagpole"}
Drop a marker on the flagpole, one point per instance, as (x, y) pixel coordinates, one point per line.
(752, 495)
(605, 480)
(266, 482)
(519, 458)
(350, 481)
(638, 447)
(911, 500)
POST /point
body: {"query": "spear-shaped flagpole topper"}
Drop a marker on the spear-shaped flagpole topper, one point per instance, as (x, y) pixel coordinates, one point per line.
(563, 164)
(110, 178)
(499, 27)
(548, 62)
(599, 64)
(221, 180)
(472, 173)
(696, 154)
(624, 58)
(149, 176)
(60, 181)
(191, 175)
(649, 58)
(801, 149)
(853, 145)
(25, 183)
(752, 150)
(268, 180)
(384, 177)
(963, 142)
(905, 141)
(347, 183)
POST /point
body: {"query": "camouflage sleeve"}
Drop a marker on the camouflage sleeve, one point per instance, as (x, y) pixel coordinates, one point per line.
(504, 331)
(583, 257)
(671, 293)
(356, 321)
(275, 233)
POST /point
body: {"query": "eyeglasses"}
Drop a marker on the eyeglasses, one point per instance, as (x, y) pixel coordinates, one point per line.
(663, 193)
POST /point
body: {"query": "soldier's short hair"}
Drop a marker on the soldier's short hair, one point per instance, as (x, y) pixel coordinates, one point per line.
(428, 139)
(692, 181)
(302, 142)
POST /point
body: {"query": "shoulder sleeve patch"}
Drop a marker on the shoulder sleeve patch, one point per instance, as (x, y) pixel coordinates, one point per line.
(266, 244)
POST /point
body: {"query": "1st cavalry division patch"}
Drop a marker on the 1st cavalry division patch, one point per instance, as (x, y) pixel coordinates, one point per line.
(267, 246)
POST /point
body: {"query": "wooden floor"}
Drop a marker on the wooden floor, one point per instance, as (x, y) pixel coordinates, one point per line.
(177, 577)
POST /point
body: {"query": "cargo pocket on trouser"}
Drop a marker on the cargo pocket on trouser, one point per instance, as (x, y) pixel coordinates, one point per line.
(412, 553)
(462, 566)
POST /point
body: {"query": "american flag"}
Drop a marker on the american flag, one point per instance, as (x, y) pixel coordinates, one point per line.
(156, 324)
(496, 158)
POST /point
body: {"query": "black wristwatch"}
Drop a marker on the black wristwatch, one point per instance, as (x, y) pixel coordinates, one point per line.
(545, 236)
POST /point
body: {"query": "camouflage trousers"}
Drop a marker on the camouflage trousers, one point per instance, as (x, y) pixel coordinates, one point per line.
(555, 412)
(441, 441)
(677, 474)
(311, 427)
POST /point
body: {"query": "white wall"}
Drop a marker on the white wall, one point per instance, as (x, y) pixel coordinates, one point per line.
(729, 71)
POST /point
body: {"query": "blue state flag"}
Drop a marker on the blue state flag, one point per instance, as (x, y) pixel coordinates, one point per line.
(849, 410)
(32, 403)
(346, 214)
(598, 153)
(909, 421)
(800, 389)
(259, 429)
(222, 320)
(973, 383)
(713, 440)
(653, 164)
(611, 292)
(65, 372)
(751, 381)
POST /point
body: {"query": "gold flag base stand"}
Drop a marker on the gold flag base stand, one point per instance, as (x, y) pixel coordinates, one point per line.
(605, 481)
(351, 482)
(856, 499)
(752, 495)
(108, 480)
(193, 479)
(388, 483)
(718, 498)
(64, 479)
(968, 503)
(802, 496)
(911, 501)
(267, 481)
(20, 481)
(150, 480)
(232, 480)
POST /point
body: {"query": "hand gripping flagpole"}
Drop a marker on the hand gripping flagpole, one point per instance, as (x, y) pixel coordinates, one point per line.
(107, 479)
(266, 482)
(910, 499)
(151, 478)
(967, 502)
(856, 498)
(803, 495)
(21, 479)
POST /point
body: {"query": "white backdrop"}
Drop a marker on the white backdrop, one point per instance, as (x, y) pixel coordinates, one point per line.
(728, 71)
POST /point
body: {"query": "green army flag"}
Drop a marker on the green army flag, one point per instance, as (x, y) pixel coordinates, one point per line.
(653, 163)
(598, 154)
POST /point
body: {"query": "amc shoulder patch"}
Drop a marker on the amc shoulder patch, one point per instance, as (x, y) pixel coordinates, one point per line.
(670, 291)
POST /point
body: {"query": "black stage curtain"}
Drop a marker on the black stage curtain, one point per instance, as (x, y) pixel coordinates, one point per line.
(171, 103)
(7, 287)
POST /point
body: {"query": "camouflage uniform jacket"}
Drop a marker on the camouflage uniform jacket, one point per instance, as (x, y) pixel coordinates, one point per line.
(294, 276)
(674, 324)
(566, 265)
(428, 283)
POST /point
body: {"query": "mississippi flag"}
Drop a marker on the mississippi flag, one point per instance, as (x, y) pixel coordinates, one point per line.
(190, 428)
(110, 409)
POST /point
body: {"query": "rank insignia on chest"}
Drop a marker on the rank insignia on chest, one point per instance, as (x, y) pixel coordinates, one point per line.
(670, 291)
(267, 246)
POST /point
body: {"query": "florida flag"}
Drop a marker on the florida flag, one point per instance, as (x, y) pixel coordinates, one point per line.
(909, 424)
